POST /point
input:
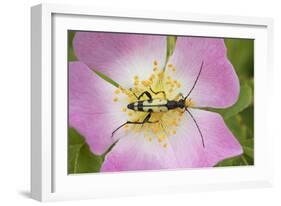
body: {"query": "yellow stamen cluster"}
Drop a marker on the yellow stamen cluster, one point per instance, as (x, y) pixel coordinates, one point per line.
(167, 122)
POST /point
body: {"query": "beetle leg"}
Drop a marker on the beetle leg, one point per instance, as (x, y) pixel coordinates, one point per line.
(146, 120)
(159, 92)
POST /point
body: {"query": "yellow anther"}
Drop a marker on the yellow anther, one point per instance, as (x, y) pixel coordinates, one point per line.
(155, 63)
(146, 83)
(171, 90)
(174, 69)
(170, 65)
(174, 122)
(117, 91)
(128, 92)
(163, 136)
(130, 113)
(155, 69)
(165, 145)
(151, 77)
(124, 109)
(136, 77)
(178, 85)
(174, 132)
(156, 129)
(169, 77)
(160, 75)
(159, 139)
(115, 99)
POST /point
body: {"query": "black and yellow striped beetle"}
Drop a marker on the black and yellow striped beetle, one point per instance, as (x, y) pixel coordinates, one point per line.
(160, 105)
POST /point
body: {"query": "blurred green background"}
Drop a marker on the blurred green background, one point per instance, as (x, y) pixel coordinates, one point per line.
(239, 118)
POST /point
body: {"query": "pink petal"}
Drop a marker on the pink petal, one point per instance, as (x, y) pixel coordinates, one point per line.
(120, 56)
(218, 84)
(133, 153)
(219, 142)
(92, 111)
(185, 149)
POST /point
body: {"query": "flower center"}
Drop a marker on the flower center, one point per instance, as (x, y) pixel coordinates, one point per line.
(161, 86)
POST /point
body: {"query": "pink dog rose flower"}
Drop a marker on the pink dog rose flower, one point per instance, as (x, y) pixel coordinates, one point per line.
(136, 62)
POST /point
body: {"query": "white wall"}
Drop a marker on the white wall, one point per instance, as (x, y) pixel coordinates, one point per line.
(15, 95)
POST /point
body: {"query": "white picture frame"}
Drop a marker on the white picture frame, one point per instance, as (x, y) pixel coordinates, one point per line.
(49, 179)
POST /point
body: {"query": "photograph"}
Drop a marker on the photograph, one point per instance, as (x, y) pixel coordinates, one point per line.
(139, 102)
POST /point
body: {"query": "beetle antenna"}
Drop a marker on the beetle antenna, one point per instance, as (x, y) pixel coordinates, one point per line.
(195, 81)
(199, 130)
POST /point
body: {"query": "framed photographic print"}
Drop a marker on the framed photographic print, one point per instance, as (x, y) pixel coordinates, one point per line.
(133, 102)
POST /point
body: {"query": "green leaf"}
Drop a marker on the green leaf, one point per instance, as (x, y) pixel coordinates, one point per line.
(248, 119)
(71, 35)
(240, 131)
(241, 54)
(106, 78)
(71, 54)
(237, 128)
(235, 161)
(74, 137)
(87, 162)
(226, 162)
(245, 99)
(80, 158)
(249, 151)
(73, 157)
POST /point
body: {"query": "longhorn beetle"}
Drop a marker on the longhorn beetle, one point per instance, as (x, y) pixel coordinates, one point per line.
(160, 105)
